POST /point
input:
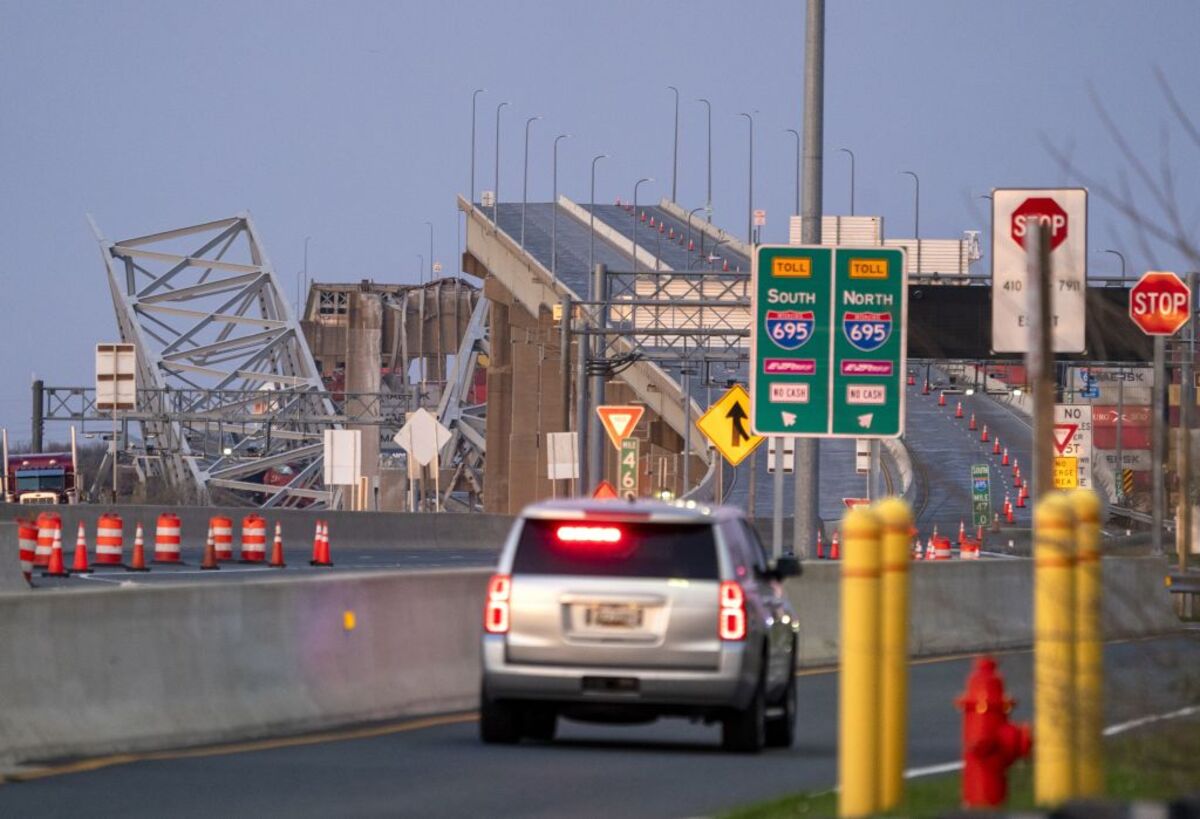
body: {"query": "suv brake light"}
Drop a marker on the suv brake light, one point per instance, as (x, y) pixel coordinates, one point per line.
(495, 612)
(731, 624)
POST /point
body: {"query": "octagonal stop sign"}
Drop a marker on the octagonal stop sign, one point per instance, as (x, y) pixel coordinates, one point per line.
(1160, 303)
(1037, 209)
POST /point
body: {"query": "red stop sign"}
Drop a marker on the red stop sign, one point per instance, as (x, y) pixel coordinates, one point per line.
(1037, 209)
(1160, 303)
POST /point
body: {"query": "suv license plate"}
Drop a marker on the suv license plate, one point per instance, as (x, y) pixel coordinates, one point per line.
(615, 615)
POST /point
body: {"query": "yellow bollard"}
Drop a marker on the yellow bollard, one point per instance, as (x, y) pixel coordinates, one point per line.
(858, 723)
(896, 519)
(1054, 648)
(1089, 650)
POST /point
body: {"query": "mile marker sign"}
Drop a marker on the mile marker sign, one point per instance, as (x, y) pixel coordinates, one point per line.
(1160, 303)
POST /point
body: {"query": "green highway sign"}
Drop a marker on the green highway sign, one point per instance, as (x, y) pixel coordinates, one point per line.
(981, 495)
(828, 341)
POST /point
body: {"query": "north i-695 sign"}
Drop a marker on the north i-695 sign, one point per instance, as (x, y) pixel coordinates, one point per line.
(828, 343)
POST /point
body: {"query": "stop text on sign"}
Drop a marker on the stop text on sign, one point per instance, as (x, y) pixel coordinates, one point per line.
(1160, 303)
(1040, 210)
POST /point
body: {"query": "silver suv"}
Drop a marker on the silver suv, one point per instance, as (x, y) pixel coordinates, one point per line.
(624, 612)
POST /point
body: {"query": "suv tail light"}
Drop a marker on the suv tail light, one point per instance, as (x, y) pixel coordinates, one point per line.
(495, 612)
(731, 624)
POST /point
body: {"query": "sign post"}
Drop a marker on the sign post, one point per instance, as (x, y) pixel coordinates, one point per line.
(828, 341)
(1015, 213)
(116, 389)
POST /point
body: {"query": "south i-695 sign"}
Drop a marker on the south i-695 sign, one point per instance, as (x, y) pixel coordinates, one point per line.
(829, 341)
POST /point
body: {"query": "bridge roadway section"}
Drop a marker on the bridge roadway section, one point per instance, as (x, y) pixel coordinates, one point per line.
(436, 766)
(942, 467)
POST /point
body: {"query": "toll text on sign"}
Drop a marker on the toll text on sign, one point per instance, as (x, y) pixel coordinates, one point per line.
(791, 268)
(868, 269)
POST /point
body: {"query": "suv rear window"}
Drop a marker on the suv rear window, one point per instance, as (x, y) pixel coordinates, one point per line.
(617, 549)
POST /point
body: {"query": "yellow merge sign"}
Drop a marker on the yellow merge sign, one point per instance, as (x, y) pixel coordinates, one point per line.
(726, 424)
(1066, 472)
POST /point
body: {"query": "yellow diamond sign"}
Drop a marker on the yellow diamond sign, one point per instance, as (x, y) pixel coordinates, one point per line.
(726, 424)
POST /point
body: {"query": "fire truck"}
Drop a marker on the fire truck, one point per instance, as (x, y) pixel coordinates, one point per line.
(40, 477)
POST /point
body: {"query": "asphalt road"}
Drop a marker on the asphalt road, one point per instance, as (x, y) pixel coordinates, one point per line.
(438, 767)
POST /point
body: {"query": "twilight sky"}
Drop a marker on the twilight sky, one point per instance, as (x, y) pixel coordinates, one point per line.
(350, 122)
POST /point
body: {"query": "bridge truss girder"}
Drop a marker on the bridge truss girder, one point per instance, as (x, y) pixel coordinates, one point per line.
(204, 308)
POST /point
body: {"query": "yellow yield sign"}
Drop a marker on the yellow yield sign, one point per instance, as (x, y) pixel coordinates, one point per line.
(726, 424)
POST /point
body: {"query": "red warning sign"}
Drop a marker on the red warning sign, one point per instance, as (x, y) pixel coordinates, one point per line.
(619, 420)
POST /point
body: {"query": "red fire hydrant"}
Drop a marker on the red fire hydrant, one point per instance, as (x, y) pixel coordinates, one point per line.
(991, 744)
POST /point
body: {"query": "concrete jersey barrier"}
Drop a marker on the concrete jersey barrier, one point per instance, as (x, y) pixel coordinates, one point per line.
(136, 668)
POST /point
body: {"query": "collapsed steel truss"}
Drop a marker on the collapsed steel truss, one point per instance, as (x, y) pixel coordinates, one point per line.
(210, 321)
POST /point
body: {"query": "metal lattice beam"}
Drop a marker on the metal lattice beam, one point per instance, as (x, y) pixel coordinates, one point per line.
(204, 307)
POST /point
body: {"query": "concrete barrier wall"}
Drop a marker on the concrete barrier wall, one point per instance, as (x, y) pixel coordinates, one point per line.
(11, 578)
(122, 669)
(365, 530)
(108, 671)
(981, 605)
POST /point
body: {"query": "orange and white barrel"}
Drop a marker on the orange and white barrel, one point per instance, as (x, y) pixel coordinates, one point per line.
(222, 532)
(110, 539)
(254, 539)
(941, 548)
(167, 538)
(27, 538)
(969, 550)
(47, 524)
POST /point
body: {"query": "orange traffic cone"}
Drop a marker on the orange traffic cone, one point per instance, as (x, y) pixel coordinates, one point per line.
(138, 563)
(930, 551)
(925, 389)
(651, 221)
(979, 534)
(1024, 488)
(820, 546)
(210, 552)
(941, 399)
(962, 531)
(971, 424)
(995, 522)
(958, 412)
(995, 446)
(912, 379)
(80, 563)
(1008, 510)
(321, 555)
(55, 567)
(1016, 477)
(1020, 501)
(983, 436)
(835, 553)
(277, 549)
(1004, 460)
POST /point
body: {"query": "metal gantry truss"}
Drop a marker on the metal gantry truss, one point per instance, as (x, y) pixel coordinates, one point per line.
(217, 340)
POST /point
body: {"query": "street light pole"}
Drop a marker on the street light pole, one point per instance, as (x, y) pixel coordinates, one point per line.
(554, 211)
(916, 215)
(636, 185)
(496, 200)
(592, 219)
(851, 153)
(708, 195)
(304, 289)
(675, 146)
(1120, 256)
(689, 235)
(525, 178)
(430, 249)
(421, 269)
(796, 134)
(474, 95)
(750, 183)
